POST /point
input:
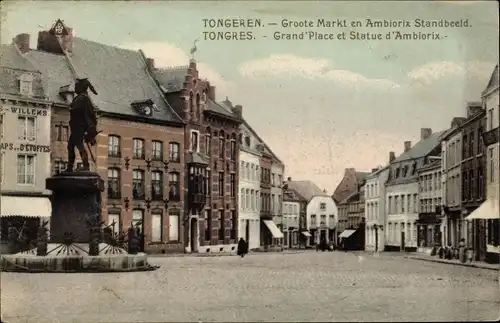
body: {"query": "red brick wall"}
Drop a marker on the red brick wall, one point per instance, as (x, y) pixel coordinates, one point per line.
(127, 130)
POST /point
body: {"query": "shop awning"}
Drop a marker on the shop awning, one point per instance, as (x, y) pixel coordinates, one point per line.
(26, 206)
(275, 231)
(306, 233)
(346, 233)
(489, 210)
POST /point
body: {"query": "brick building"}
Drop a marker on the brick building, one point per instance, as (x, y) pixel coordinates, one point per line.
(266, 161)
(212, 160)
(138, 151)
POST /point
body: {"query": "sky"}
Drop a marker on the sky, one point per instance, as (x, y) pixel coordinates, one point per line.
(321, 105)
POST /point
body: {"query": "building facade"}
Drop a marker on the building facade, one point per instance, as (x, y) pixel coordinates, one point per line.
(375, 212)
(291, 218)
(24, 143)
(138, 151)
(277, 170)
(249, 195)
(430, 202)
(487, 216)
(402, 191)
(451, 175)
(212, 158)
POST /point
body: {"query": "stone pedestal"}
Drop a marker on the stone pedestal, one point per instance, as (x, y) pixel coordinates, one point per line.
(76, 203)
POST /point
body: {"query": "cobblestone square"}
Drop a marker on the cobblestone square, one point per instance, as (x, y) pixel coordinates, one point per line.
(307, 286)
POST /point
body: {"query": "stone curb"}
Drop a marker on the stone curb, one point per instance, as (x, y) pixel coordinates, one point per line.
(474, 265)
(171, 255)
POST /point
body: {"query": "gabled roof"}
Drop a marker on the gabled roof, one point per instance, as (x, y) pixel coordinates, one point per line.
(361, 176)
(421, 148)
(228, 105)
(290, 194)
(493, 82)
(119, 75)
(307, 189)
(377, 172)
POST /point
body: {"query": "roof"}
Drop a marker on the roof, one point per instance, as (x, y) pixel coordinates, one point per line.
(119, 75)
(493, 82)
(10, 57)
(307, 189)
(226, 103)
(361, 176)
(378, 171)
(422, 148)
(219, 108)
(172, 79)
(290, 194)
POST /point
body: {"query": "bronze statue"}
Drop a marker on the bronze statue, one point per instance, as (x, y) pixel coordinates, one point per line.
(82, 123)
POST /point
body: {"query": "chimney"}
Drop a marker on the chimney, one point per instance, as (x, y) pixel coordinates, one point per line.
(211, 92)
(392, 156)
(150, 63)
(22, 42)
(350, 170)
(425, 133)
(289, 179)
(407, 145)
(473, 108)
(238, 111)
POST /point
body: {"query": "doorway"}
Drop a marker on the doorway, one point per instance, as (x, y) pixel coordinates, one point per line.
(322, 236)
(402, 241)
(194, 235)
(247, 231)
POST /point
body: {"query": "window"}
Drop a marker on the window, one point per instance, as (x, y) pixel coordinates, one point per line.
(114, 223)
(233, 148)
(221, 183)
(174, 193)
(247, 141)
(173, 153)
(26, 85)
(157, 185)
(138, 148)
(222, 146)
(233, 185)
(138, 219)
(280, 180)
(465, 147)
(322, 206)
(208, 225)
(25, 169)
(157, 150)
(114, 187)
(27, 128)
(208, 143)
(494, 232)
(208, 183)
(194, 141)
(138, 191)
(234, 224)
(471, 144)
(480, 141)
(173, 225)
(490, 119)
(62, 132)
(157, 227)
(221, 225)
(113, 146)
(492, 166)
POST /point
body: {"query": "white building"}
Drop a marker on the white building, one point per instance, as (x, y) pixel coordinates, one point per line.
(402, 191)
(375, 212)
(249, 195)
(490, 210)
(430, 202)
(25, 142)
(291, 216)
(321, 211)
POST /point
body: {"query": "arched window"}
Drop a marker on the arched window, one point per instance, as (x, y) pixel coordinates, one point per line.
(198, 104)
(192, 107)
(222, 145)
(208, 141)
(233, 147)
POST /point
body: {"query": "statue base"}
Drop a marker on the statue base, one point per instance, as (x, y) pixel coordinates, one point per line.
(76, 205)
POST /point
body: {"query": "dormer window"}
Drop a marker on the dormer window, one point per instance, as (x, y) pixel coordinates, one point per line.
(247, 141)
(144, 107)
(26, 85)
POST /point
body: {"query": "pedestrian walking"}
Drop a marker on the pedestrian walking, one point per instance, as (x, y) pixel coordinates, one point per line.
(242, 247)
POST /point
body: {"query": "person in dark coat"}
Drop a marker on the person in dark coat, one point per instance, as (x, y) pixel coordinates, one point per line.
(82, 123)
(242, 248)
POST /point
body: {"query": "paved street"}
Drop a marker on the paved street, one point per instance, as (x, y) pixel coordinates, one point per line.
(309, 286)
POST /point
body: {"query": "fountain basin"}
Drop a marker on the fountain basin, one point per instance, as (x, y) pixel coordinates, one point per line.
(76, 262)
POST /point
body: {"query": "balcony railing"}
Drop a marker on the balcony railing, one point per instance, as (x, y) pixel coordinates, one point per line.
(490, 137)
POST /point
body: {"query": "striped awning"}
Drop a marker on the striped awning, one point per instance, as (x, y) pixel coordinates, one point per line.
(26, 206)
